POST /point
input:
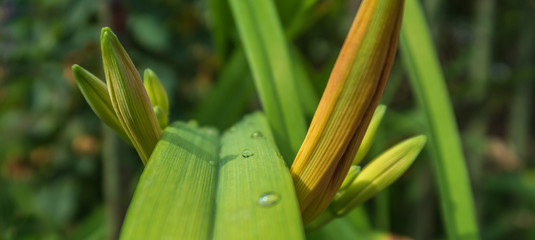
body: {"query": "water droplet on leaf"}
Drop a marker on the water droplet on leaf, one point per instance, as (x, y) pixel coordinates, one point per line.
(257, 134)
(247, 153)
(268, 199)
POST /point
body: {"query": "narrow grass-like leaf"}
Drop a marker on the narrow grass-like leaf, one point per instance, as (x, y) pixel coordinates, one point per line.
(128, 96)
(267, 52)
(234, 87)
(307, 95)
(427, 80)
(255, 195)
(221, 26)
(91, 227)
(174, 198)
(96, 94)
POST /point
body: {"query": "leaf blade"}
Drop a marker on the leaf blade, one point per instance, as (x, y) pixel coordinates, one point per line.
(427, 80)
(175, 194)
(255, 197)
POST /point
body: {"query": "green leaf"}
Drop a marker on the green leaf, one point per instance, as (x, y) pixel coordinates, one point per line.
(96, 94)
(183, 195)
(175, 195)
(255, 194)
(420, 59)
(128, 96)
(221, 26)
(308, 97)
(267, 52)
(234, 87)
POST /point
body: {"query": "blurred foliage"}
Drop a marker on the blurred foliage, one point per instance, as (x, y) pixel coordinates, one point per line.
(52, 146)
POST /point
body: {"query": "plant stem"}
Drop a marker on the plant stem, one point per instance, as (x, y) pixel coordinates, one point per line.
(111, 183)
(520, 115)
(382, 217)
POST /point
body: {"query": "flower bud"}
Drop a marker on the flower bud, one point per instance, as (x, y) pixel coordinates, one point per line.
(128, 96)
(155, 90)
(378, 174)
(161, 115)
(347, 105)
(96, 94)
(369, 136)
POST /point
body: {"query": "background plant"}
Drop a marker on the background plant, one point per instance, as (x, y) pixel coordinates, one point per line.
(52, 144)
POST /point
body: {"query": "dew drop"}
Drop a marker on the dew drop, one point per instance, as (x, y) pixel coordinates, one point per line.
(247, 153)
(257, 134)
(269, 199)
(211, 162)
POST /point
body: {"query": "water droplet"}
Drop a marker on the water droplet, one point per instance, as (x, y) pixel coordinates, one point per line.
(257, 134)
(269, 199)
(211, 162)
(247, 153)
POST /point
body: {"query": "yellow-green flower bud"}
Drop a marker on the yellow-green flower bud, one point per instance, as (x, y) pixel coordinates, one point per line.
(155, 90)
(96, 94)
(161, 115)
(351, 175)
(378, 174)
(347, 105)
(370, 134)
(128, 96)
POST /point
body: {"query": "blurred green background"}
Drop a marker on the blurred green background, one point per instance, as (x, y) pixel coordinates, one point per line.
(64, 175)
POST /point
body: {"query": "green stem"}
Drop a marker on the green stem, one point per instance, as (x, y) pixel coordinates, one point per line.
(382, 217)
(519, 118)
(111, 182)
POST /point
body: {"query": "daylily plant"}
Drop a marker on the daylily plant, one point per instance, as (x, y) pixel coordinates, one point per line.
(326, 174)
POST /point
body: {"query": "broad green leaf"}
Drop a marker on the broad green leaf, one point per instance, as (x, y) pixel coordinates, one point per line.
(420, 59)
(255, 194)
(274, 75)
(174, 198)
(96, 94)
